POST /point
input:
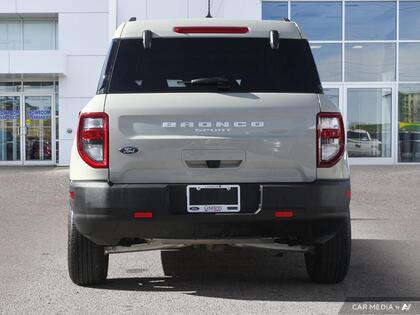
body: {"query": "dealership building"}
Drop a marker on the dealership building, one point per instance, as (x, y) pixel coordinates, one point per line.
(52, 51)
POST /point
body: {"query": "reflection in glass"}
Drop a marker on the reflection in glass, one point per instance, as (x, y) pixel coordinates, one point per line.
(370, 20)
(328, 61)
(318, 20)
(333, 95)
(409, 126)
(38, 86)
(38, 35)
(369, 122)
(409, 19)
(274, 10)
(10, 35)
(370, 62)
(409, 62)
(11, 87)
(38, 125)
(9, 128)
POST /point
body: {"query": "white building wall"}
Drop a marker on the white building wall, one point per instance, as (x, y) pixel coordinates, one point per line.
(83, 36)
(170, 9)
(84, 29)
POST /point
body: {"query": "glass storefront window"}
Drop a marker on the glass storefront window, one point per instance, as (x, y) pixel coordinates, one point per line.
(409, 123)
(318, 20)
(369, 131)
(9, 87)
(9, 128)
(370, 62)
(409, 19)
(328, 60)
(333, 95)
(38, 87)
(371, 20)
(409, 62)
(38, 123)
(274, 10)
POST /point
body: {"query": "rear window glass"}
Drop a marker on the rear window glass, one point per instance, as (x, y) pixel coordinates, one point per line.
(249, 65)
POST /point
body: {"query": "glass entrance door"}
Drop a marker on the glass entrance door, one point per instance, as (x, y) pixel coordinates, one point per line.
(27, 129)
(38, 129)
(369, 116)
(10, 129)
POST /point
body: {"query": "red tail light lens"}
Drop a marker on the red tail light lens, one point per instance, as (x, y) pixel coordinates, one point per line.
(92, 139)
(284, 214)
(330, 139)
(211, 30)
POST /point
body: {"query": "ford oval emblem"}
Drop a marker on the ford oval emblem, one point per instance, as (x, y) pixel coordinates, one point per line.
(128, 150)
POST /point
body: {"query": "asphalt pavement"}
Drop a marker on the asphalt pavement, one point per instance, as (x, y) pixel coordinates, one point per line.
(33, 258)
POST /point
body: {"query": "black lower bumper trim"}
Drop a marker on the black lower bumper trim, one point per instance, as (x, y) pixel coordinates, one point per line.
(105, 214)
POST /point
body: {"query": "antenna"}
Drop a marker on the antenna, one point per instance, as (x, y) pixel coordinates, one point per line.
(208, 10)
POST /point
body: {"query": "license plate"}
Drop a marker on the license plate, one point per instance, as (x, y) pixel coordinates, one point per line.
(213, 198)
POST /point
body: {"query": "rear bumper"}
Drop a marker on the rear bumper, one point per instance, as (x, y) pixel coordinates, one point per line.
(104, 213)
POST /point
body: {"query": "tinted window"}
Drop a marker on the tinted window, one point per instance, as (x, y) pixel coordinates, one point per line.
(249, 64)
(318, 20)
(370, 20)
(107, 68)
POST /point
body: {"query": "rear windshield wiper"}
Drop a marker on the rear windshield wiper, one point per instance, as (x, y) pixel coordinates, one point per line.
(220, 82)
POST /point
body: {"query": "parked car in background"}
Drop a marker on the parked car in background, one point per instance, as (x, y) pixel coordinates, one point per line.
(361, 144)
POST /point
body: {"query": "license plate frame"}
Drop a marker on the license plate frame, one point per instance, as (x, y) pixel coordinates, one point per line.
(231, 205)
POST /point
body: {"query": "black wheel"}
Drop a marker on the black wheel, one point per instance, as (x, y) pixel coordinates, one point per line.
(87, 262)
(330, 262)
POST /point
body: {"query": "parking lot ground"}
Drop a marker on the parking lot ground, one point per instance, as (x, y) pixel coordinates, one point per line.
(33, 251)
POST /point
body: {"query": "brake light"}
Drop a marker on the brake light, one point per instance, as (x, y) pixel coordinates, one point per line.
(330, 139)
(92, 139)
(211, 29)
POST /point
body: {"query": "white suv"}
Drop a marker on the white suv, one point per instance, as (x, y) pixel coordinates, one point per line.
(209, 132)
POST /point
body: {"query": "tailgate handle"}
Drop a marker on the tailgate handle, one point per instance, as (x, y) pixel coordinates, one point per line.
(213, 163)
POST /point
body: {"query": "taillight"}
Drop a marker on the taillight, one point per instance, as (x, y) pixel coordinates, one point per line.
(330, 139)
(92, 139)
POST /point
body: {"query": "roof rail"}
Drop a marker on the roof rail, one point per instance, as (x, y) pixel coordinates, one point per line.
(132, 19)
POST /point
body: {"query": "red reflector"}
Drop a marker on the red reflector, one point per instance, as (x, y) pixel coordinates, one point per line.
(330, 133)
(211, 30)
(143, 215)
(93, 134)
(72, 195)
(283, 214)
(349, 194)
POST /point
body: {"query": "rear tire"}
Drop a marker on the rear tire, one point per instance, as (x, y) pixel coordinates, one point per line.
(331, 260)
(87, 262)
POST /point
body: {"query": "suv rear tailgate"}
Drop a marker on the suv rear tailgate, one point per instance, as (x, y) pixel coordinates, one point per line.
(256, 137)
